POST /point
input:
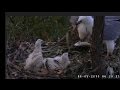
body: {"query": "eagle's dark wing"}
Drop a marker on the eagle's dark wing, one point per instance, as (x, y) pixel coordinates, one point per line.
(112, 18)
(111, 30)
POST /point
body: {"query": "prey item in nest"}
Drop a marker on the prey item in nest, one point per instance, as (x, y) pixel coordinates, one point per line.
(82, 44)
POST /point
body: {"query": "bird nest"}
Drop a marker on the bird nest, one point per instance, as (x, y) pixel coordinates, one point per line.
(16, 54)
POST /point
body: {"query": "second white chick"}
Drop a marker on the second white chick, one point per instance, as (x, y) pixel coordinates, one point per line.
(57, 63)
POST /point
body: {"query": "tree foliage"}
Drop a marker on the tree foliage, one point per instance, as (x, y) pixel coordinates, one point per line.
(48, 28)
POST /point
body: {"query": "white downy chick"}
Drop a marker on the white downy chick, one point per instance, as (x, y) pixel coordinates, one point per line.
(34, 60)
(57, 63)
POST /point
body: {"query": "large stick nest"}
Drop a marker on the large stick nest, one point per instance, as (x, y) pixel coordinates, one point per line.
(16, 54)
